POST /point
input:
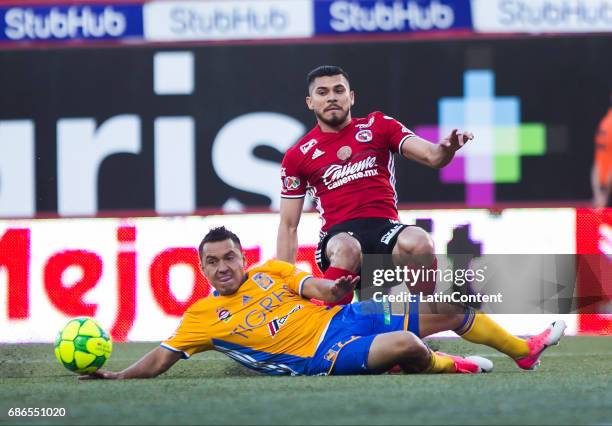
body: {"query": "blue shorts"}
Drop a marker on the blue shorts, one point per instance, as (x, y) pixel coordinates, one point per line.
(346, 345)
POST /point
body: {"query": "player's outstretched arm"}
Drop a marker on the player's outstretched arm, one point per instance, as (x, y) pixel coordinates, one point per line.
(435, 155)
(152, 364)
(328, 290)
(287, 239)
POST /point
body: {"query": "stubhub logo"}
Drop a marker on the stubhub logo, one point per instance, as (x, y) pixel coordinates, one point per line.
(342, 16)
(543, 16)
(227, 20)
(70, 22)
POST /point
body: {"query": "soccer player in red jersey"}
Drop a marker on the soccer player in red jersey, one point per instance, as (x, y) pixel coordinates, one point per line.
(348, 166)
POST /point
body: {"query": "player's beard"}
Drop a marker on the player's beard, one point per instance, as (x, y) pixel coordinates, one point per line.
(337, 118)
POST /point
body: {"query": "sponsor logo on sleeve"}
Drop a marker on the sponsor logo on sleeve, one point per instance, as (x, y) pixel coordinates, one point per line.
(292, 182)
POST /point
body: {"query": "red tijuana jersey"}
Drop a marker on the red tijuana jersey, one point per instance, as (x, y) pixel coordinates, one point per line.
(351, 173)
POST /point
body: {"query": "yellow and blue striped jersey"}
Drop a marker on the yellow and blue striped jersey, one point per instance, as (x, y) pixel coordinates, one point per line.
(266, 325)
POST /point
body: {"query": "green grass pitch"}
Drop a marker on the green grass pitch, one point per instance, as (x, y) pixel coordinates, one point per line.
(573, 386)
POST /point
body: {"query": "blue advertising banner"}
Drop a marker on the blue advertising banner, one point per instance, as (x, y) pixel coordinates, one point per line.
(77, 22)
(390, 16)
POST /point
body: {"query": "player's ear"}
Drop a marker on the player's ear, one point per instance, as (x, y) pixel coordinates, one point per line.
(309, 103)
(352, 97)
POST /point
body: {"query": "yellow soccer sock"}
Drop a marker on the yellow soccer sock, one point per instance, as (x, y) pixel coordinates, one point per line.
(439, 363)
(480, 328)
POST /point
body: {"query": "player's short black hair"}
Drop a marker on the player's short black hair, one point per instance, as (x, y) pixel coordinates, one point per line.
(220, 233)
(324, 71)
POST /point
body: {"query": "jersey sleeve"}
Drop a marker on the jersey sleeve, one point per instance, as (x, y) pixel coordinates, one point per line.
(397, 134)
(190, 337)
(291, 275)
(293, 183)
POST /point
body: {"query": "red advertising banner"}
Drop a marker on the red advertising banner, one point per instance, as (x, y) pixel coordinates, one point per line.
(594, 236)
(136, 276)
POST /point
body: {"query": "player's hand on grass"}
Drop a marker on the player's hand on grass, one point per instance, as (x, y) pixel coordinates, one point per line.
(101, 374)
(344, 285)
(456, 140)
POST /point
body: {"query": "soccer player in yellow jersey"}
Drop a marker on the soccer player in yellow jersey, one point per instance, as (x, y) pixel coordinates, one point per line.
(263, 319)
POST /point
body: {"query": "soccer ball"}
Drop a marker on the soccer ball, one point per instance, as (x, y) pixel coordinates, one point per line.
(82, 345)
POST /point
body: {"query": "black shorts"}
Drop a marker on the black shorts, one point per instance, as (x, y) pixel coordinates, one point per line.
(376, 236)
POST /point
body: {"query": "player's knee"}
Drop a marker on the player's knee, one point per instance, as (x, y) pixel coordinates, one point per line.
(423, 244)
(344, 251)
(410, 346)
(416, 242)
